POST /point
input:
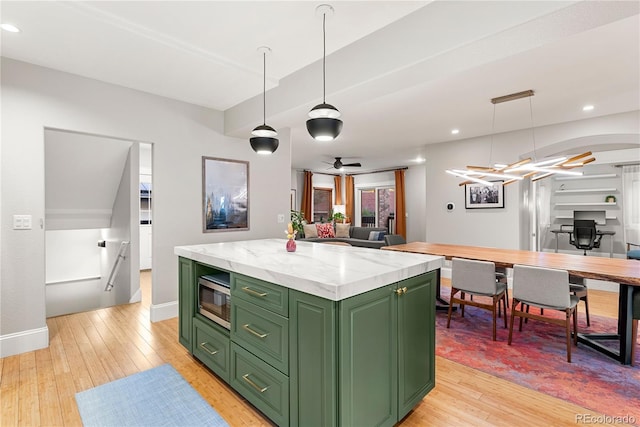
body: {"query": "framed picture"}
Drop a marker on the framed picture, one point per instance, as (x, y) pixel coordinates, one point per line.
(479, 196)
(225, 195)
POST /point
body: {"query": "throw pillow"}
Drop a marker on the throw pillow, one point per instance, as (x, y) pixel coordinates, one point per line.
(376, 235)
(325, 230)
(342, 230)
(310, 230)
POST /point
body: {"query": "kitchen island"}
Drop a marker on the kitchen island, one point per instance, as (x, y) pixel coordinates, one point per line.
(323, 336)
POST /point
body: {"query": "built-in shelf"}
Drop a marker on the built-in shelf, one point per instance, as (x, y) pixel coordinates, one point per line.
(588, 190)
(587, 204)
(571, 178)
(609, 218)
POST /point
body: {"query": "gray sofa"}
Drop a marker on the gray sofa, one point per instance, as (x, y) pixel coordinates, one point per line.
(358, 236)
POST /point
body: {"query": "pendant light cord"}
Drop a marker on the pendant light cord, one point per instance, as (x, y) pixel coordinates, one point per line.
(493, 130)
(324, 55)
(533, 132)
(264, 88)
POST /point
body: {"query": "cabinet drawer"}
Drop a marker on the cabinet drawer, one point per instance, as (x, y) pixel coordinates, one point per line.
(262, 385)
(211, 347)
(264, 294)
(262, 332)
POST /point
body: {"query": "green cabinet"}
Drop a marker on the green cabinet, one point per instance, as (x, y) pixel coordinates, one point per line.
(387, 351)
(308, 361)
(416, 341)
(186, 301)
(313, 370)
(364, 361)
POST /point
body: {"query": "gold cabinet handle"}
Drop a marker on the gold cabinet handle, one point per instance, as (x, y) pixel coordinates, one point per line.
(204, 346)
(258, 334)
(404, 290)
(254, 385)
(254, 293)
(401, 291)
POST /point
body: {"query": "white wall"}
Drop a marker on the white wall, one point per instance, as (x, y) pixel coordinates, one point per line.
(34, 98)
(415, 186)
(501, 227)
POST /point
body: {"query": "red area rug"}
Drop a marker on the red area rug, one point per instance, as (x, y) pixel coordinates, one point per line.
(537, 360)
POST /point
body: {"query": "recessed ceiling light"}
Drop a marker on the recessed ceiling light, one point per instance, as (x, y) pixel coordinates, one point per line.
(588, 108)
(455, 131)
(10, 28)
(419, 159)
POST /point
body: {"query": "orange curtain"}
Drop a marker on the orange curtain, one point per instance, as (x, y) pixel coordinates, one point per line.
(337, 180)
(307, 194)
(348, 191)
(401, 225)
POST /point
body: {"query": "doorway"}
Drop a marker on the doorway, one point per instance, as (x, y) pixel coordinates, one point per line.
(91, 221)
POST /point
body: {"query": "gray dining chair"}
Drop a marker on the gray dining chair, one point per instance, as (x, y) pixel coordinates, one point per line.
(634, 325)
(394, 239)
(476, 278)
(544, 288)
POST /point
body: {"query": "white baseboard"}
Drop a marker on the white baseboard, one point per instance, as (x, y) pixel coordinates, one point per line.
(159, 312)
(25, 341)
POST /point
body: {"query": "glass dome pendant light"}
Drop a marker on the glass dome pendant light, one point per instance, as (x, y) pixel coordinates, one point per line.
(324, 123)
(264, 141)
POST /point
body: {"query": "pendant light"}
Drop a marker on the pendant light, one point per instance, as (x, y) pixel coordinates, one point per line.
(526, 168)
(324, 123)
(264, 139)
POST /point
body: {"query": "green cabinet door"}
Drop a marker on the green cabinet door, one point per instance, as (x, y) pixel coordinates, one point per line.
(312, 369)
(416, 341)
(186, 301)
(368, 359)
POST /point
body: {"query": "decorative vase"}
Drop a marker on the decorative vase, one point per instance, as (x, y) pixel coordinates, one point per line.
(291, 245)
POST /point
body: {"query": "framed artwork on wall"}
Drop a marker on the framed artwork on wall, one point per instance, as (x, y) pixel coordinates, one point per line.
(479, 196)
(225, 195)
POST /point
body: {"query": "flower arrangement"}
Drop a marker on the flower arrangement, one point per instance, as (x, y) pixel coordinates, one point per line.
(291, 233)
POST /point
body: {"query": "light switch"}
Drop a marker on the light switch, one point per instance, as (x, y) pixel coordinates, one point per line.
(22, 222)
(280, 218)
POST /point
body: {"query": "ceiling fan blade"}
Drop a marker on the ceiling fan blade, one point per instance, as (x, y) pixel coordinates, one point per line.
(355, 165)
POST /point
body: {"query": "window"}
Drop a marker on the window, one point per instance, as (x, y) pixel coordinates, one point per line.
(376, 206)
(322, 204)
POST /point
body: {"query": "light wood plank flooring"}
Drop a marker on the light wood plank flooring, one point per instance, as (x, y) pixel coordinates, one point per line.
(92, 348)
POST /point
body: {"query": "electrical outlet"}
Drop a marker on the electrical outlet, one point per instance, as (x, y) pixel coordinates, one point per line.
(22, 222)
(280, 218)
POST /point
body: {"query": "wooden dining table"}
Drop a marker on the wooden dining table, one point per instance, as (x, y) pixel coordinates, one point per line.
(625, 272)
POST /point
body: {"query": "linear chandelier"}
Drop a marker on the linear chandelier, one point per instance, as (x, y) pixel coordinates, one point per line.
(526, 168)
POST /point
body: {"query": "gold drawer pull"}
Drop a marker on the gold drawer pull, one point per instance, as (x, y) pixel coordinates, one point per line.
(401, 291)
(204, 346)
(255, 293)
(258, 334)
(254, 385)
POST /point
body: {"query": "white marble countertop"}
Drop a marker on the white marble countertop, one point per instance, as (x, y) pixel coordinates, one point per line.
(328, 271)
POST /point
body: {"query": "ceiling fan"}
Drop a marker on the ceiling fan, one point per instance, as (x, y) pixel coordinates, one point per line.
(339, 165)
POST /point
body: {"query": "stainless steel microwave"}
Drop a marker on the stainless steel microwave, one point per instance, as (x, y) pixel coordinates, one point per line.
(214, 298)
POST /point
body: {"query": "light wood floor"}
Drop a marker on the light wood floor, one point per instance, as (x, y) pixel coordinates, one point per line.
(92, 348)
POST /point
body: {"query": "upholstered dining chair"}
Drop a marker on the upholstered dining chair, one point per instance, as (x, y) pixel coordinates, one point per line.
(544, 288)
(578, 288)
(394, 239)
(476, 278)
(633, 253)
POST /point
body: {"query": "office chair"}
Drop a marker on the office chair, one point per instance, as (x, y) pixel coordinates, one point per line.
(584, 235)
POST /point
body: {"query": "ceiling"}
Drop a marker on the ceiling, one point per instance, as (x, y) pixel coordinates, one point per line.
(403, 74)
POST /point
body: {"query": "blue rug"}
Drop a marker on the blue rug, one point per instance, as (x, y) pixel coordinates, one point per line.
(157, 397)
